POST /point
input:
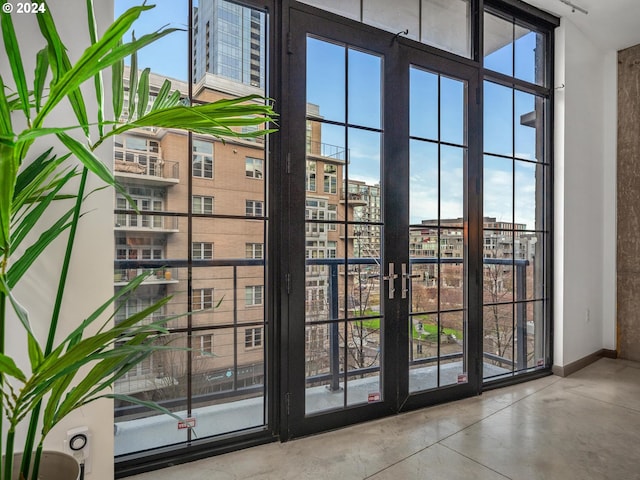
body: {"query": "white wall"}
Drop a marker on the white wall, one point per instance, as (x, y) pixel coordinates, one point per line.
(91, 275)
(584, 309)
(609, 177)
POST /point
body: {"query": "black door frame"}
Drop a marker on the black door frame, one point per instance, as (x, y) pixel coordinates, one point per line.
(398, 55)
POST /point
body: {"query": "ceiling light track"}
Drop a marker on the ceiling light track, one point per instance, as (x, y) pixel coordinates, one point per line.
(574, 7)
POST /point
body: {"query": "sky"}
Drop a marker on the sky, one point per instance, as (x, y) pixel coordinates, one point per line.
(167, 56)
(326, 88)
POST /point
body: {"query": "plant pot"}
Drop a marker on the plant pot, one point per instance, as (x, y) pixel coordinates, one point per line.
(53, 466)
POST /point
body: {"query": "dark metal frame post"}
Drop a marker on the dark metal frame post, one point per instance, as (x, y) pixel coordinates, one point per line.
(334, 336)
(521, 314)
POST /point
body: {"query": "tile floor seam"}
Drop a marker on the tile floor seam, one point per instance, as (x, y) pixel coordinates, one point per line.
(439, 442)
(498, 411)
(475, 461)
(583, 395)
(400, 461)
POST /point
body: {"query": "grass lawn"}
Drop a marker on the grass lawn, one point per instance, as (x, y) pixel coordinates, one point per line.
(429, 330)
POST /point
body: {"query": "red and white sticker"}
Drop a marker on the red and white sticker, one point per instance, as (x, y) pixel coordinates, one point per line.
(462, 378)
(541, 362)
(374, 397)
(187, 423)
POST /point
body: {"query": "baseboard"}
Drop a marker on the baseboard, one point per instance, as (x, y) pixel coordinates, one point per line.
(573, 367)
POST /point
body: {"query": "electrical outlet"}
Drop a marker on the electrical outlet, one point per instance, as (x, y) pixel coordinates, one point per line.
(78, 444)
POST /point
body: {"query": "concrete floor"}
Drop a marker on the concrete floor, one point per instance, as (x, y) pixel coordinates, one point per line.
(586, 426)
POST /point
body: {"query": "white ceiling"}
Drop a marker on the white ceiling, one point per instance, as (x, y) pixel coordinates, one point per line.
(612, 24)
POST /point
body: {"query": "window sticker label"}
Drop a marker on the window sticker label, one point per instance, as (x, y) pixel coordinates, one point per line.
(187, 423)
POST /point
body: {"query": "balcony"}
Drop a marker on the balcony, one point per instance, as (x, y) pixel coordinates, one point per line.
(355, 196)
(326, 152)
(320, 388)
(132, 222)
(147, 171)
(424, 367)
(130, 385)
(159, 276)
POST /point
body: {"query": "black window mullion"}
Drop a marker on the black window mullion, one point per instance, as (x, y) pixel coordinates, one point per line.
(190, 227)
(439, 253)
(347, 237)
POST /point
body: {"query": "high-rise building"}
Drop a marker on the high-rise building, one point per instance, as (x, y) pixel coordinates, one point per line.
(229, 41)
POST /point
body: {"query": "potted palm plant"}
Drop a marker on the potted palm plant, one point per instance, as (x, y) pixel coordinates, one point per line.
(64, 374)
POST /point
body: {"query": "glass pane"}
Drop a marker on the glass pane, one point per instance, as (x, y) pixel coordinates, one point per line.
(423, 108)
(365, 89)
(451, 182)
(529, 133)
(452, 111)
(529, 195)
(498, 44)
(498, 119)
(363, 287)
(214, 374)
(324, 367)
(393, 17)
(325, 170)
(529, 265)
(364, 157)
(423, 181)
(451, 269)
(163, 378)
(529, 55)
(320, 300)
(498, 266)
(326, 92)
(497, 335)
(423, 351)
(498, 188)
(446, 24)
(364, 353)
(452, 348)
(425, 271)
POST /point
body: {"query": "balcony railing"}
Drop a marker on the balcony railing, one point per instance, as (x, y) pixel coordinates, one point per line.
(236, 376)
(164, 275)
(148, 167)
(360, 194)
(326, 151)
(154, 221)
(335, 375)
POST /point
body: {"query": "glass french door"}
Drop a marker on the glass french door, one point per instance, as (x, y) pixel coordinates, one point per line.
(380, 315)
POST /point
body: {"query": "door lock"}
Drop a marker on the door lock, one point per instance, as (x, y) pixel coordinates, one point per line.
(405, 277)
(391, 277)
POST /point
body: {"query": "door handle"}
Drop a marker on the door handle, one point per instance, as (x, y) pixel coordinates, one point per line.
(405, 277)
(391, 277)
